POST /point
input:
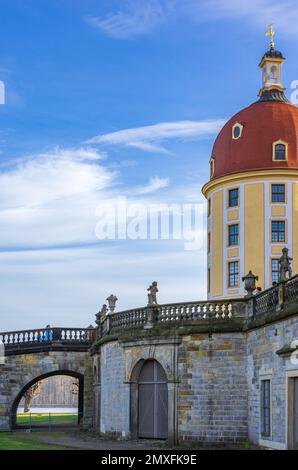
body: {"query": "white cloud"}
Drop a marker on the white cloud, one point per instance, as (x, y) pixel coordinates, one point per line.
(149, 138)
(49, 198)
(136, 17)
(155, 184)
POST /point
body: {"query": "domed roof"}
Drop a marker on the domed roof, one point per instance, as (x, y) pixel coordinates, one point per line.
(272, 53)
(264, 123)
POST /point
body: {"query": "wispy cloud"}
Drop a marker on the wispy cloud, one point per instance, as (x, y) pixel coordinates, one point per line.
(136, 17)
(155, 184)
(149, 138)
(46, 177)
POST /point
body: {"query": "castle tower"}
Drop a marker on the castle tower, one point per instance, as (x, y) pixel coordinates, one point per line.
(252, 193)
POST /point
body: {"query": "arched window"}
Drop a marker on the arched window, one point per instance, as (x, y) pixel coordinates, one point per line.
(273, 74)
(280, 149)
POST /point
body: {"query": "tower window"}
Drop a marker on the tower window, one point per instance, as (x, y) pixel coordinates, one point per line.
(278, 193)
(280, 151)
(278, 230)
(233, 271)
(274, 270)
(211, 167)
(234, 197)
(208, 280)
(209, 242)
(265, 408)
(209, 206)
(237, 131)
(234, 234)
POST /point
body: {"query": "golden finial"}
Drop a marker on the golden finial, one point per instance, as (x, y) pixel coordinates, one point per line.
(271, 33)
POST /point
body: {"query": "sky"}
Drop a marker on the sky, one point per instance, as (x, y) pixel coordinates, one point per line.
(109, 99)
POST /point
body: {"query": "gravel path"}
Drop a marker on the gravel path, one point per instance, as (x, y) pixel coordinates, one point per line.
(82, 441)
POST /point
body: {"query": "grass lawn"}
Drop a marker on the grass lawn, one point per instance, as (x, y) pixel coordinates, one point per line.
(23, 419)
(22, 441)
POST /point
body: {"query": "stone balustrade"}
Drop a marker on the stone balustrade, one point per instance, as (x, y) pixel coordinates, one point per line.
(36, 339)
(147, 317)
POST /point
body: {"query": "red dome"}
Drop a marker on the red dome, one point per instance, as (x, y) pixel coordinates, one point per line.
(263, 123)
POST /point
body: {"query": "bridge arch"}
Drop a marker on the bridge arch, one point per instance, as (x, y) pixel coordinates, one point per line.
(22, 370)
(38, 378)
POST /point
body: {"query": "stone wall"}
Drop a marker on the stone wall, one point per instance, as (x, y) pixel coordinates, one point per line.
(212, 403)
(264, 363)
(19, 370)
(206, 384)
(114, 406)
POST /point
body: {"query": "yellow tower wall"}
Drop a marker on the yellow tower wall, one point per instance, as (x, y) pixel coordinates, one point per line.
(256, 250)
(254, 230)
(217, 244)
(295, 228)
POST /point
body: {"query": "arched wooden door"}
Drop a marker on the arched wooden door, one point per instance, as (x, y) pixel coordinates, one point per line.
(153, 401)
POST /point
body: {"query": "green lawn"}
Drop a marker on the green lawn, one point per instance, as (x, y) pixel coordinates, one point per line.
(21, 441)
(45, 420)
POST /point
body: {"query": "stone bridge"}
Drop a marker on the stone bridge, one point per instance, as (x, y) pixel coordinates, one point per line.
(33, 355)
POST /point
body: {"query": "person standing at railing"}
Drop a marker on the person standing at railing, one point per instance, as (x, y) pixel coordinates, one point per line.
(46, 335)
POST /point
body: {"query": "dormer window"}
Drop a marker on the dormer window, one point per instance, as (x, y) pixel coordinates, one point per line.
(280, 151)
(237, 131)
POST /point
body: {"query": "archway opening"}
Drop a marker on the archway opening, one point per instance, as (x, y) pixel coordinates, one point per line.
(152, 406)
(49, 401)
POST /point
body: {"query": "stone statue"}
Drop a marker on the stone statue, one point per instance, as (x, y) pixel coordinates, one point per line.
(104, 310)
(250, 282)
(285, 265)
(112, 299)
(152, 294)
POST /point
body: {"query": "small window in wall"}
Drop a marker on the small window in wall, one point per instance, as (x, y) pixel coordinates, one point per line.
(280, 150)
(237, 131)
(233, 197)
(274, 270)
(233, 274)
(209, 242)
(212, 166)
(209, 206)
(278, 193)
(208, 280)
(234, 234)
(265, 408)
(278, 231)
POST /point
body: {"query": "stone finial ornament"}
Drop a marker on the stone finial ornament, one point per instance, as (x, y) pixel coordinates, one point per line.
(112, 299)
(152, 300)
(250, 282)
(285, 265)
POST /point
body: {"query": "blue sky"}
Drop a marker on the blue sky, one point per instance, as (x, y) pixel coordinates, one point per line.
(108, 98)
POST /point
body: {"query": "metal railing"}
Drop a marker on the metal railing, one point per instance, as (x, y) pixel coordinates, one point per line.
(277, 297)
(33, 421)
